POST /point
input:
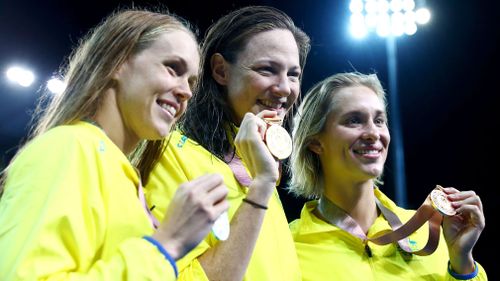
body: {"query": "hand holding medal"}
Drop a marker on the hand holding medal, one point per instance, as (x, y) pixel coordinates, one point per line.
(432, 210)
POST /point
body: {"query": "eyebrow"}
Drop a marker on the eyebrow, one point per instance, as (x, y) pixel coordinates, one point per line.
(275, 63)
(359, 112)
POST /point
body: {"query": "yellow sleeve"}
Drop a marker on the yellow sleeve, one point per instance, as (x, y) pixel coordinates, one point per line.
(54, 224)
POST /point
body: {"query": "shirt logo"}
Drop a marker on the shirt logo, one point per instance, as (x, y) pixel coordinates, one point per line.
(102, 146)
(182, 141)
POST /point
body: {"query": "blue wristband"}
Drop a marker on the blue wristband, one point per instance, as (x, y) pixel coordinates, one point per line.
(463, 276)
(163, 251)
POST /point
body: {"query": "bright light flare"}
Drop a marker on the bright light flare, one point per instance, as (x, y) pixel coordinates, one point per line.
(386, 17)
(22, 76)
(422, 16)
(56, 86)
(356, 6)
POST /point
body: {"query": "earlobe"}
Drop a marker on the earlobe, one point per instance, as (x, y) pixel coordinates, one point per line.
(219, 68)
(118, 71)
(315, 146)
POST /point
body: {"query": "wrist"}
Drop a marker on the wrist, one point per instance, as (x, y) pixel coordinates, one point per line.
(163, 251)
(170, 245)
(462, 264)
(463, 276)
(261, 189)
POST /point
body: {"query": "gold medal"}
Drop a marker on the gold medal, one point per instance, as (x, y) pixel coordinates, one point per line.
(441, 203)
(278, 140)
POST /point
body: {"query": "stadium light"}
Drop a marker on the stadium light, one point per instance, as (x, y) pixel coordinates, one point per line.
(386, 18)
(390, 19)
(20, 75)
(56, 86)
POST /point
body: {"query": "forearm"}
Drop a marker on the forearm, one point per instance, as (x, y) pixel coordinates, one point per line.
(229, 259)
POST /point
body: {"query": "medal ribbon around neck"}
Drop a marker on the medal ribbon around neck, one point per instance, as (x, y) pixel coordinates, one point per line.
(434, 207)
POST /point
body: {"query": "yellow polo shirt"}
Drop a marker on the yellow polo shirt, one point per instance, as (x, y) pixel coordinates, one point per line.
(274, 257)
(327, 252)
(70, 211)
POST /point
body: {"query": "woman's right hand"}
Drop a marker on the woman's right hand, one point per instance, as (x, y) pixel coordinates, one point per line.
(251, 147)
(192, 212)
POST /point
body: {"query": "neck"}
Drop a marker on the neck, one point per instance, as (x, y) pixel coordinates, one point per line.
(356, 199)
(109, 118)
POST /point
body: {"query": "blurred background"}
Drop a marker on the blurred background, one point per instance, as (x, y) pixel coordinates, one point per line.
(443, 73)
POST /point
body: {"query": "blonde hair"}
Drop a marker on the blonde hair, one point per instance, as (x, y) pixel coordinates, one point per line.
(310, 120)
(90, 69)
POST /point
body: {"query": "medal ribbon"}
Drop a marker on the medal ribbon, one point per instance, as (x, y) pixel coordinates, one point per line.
(426, 212)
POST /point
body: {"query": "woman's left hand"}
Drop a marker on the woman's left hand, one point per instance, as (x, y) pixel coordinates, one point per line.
(462, 230)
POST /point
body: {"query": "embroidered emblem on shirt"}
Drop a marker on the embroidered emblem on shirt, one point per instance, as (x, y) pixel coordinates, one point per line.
(413, 244)
(182, 141)
(102, 146)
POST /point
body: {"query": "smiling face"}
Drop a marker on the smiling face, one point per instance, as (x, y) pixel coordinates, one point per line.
(265, 75)
(356, 139)
(153, 86)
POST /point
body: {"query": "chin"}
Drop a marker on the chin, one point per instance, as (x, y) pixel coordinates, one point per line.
(160, 132)
(374, 171)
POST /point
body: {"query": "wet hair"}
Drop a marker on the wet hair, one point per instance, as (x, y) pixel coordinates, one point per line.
(209, 111)
(310, 120)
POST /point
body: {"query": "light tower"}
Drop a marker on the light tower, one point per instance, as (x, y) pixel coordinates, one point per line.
(390, 19)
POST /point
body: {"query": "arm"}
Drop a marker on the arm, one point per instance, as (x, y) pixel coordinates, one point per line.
(54, 220)
(229, 260)
(191, 214)
(462, 231)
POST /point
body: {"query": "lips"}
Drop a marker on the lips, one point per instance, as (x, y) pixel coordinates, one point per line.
(168, 106)
(273, 105)
(368, 152)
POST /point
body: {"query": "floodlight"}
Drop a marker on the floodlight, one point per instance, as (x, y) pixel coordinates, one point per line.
(22, 76)
(56, 86)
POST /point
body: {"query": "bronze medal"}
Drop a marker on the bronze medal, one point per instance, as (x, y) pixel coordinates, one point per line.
(278, 142)
(441, 203)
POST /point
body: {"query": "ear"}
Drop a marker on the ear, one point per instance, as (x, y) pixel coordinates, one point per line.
(118, 71)
(219, 68)
(315, 146)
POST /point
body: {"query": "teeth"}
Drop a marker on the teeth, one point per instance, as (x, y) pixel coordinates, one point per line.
(169, 108)
(367, 151)
(271, 104)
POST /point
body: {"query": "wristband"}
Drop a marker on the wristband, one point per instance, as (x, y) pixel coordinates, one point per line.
(164, 252)
(254, 204)
(463, 276)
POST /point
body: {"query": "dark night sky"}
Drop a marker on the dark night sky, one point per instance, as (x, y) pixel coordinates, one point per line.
(447, 73)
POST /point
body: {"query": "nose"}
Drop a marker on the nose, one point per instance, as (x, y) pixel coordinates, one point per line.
(183, 90)
(282, 87)
(371, 131)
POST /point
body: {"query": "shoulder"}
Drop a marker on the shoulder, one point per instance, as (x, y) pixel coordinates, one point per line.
(59, 140)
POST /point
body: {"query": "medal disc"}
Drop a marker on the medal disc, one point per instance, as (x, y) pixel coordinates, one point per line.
(220, 229)
(278, 142)
(441, 203)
